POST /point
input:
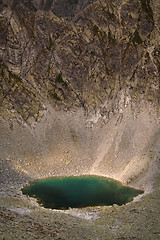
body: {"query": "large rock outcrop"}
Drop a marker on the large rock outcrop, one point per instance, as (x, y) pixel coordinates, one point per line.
(108, 48)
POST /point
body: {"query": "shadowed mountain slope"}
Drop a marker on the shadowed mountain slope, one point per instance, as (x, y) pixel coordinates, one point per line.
(108, 50)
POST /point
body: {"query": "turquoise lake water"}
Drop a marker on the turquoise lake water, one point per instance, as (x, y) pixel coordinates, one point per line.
(79, 192)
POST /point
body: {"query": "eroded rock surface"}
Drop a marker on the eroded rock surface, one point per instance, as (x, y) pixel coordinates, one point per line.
(108, 48)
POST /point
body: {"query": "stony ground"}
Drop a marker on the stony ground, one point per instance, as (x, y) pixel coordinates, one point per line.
(23, 218)
(63, 145)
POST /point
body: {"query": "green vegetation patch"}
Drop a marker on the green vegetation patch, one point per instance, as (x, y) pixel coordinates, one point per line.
(16, 78)
(55, 96)
(49, 47)
(59, 79)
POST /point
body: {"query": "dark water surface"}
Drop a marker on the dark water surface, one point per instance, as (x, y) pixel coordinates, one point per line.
(78, 192)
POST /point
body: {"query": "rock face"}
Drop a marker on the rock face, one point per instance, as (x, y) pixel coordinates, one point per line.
(106, 49)
(81, 78)
(62, 8)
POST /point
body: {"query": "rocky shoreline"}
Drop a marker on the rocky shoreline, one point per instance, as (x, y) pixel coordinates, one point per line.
(22, 218)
